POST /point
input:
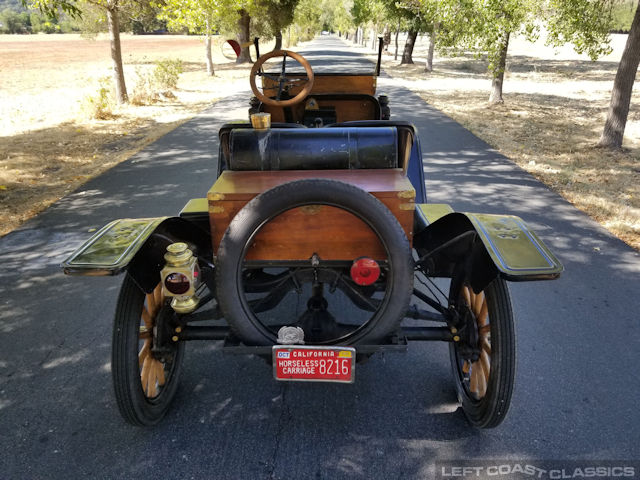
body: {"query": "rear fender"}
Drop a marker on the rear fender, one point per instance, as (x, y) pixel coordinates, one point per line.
(136, 245)
(487, 245)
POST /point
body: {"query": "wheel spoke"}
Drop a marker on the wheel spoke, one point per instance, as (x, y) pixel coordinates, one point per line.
(486, 365)
(147, 318)
(473, 381)
(159, 296)
(144, 375)
(152, 389)
(145, 351)
(486, 346)
(145, 332)
(477, 305)
(467, 295)
(465, 367)
(484, 312)
(160, 373)
(480, 378)
(151, 303)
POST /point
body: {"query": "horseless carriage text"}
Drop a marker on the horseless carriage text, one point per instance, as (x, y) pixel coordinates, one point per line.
(315, 248)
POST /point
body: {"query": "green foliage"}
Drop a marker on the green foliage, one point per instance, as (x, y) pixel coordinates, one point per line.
(152, 84)
(100, 105)
(278, 15)
(485, 26)
(206, 16)
(140, 16)
(89, 16)
(361, 12)
(14, 22)
(308, 19)
(585, 23)
(622, 15)
(167, 72)
(15, 5)
(197, 16)
(14, 18)
(92, 21)
(53, 8)
(415, 15)
(336, 16)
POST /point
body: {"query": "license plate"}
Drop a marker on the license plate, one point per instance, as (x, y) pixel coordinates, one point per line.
(314, 364)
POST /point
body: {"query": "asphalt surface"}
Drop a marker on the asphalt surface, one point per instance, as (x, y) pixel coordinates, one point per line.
(577, 387)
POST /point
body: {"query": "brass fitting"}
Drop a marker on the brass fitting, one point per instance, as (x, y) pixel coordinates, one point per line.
(261, 121)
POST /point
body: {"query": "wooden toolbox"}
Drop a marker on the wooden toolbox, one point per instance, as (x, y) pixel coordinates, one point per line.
(330, 232)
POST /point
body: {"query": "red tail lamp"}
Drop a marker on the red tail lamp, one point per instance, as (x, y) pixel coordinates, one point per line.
(365, 271)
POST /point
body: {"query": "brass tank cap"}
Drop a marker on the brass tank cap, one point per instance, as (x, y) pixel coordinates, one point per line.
(178, 254)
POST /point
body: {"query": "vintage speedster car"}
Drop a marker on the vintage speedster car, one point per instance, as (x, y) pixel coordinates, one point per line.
(314, 249)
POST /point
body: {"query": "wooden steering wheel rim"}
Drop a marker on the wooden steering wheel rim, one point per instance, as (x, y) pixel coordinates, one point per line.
(281, 103)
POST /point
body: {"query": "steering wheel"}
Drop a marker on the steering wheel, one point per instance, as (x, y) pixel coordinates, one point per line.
(281, 81)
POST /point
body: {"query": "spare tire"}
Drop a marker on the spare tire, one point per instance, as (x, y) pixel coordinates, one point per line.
(398, 287)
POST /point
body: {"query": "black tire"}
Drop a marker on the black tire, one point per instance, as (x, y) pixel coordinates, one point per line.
(488, 408)
(138, 405)
(273, 202)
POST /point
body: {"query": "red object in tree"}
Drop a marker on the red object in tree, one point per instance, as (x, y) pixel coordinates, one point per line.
(235, 45)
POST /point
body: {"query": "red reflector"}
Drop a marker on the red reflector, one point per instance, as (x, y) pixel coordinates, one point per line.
(177, 283)
(365, 271)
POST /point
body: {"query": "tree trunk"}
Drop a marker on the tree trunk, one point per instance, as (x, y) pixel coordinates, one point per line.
(373, 39)
(616, 121)
(116, 53)
(432, 46)
(407, 54)
(395, 56)
(207, 47)
(278, 45)
(243, 36)
(498, 72)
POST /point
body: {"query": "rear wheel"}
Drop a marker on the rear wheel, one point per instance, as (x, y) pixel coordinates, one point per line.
(145, 363)
(484, 359)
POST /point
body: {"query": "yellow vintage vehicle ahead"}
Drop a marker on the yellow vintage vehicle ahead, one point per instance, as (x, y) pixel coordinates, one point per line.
(315, 248)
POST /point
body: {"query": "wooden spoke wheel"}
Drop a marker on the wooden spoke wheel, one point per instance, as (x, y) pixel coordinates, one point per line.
(145, 374)
(483, 360)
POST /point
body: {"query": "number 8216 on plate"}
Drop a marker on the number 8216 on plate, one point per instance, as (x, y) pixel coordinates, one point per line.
(314, 364)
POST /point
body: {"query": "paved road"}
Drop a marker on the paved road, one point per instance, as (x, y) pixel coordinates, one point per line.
(577, 385)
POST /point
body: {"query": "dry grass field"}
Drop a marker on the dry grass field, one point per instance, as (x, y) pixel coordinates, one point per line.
(49, 146)
(554, 111)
